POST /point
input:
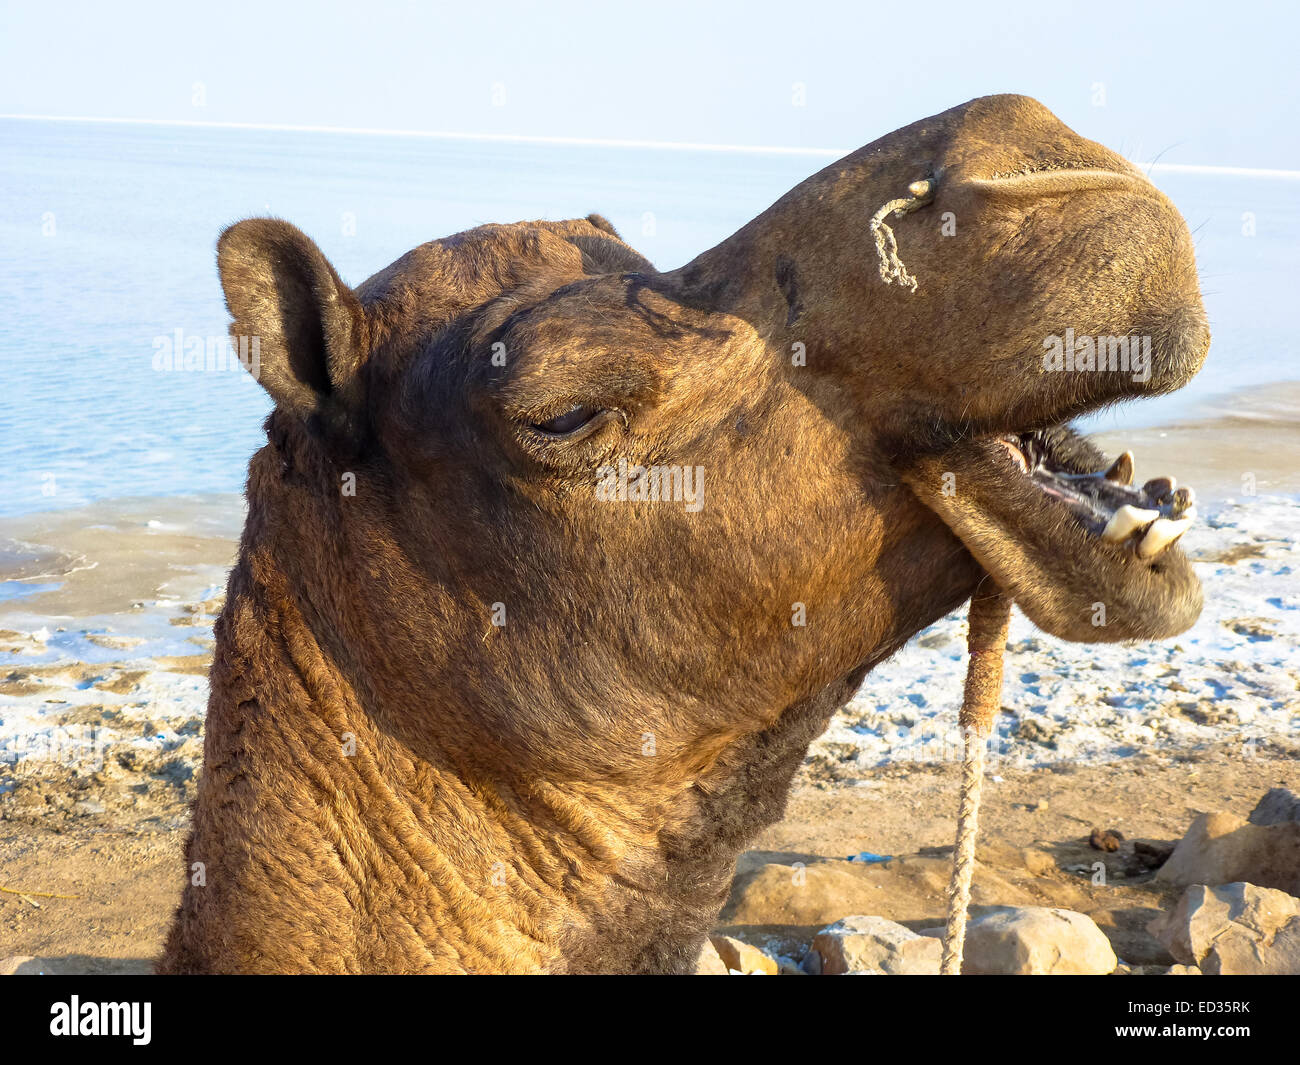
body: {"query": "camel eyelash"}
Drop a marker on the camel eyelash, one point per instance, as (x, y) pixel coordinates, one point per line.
(574, 424)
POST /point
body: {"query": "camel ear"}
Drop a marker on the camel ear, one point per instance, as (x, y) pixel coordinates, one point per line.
(305, 325)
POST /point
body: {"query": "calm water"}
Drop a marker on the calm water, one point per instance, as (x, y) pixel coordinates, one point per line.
(107, 235)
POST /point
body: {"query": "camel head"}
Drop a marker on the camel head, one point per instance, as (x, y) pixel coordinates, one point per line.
(587, 535)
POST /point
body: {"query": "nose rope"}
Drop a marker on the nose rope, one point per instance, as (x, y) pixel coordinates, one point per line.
(891, 266)
(989, 616)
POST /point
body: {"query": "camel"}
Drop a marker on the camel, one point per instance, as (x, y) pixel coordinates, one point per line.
(555, 564)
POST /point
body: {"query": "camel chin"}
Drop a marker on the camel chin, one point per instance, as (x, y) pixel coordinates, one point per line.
(1086, 555)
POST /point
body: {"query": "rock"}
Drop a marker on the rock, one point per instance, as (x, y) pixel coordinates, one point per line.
(1281, 957)
(1221, 848)
(785, 943)
(1036, 940)
(874, 944)
(1278, 806)
(741, 958)
(710, 963)
(1105, 840)
(1233, 929)
(1182, 970)
(821, 892)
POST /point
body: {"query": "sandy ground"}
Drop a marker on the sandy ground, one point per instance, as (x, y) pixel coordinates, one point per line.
(105, 635)
(127, 875)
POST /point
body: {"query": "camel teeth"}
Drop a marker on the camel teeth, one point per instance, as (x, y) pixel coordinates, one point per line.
(1162, 533)
(1160, 488)
(1121, 470)
(1181, 502)
(1125, 520)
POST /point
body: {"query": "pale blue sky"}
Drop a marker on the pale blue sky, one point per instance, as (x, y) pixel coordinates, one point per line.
(1202, 83)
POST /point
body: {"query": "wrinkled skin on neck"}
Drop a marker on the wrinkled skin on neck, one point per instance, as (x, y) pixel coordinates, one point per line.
(568, 709)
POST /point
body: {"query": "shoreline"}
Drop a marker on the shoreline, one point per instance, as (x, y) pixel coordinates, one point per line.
(1212, 445)
(106, 614)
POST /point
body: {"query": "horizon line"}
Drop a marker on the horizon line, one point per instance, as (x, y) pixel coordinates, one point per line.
(587, 142)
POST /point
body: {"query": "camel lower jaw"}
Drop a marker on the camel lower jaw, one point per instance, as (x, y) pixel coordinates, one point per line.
(1085, 554)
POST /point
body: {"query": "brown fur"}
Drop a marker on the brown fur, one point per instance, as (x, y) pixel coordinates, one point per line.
(392, 783)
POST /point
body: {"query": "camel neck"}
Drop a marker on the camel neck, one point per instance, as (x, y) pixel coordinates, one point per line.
(325, 844)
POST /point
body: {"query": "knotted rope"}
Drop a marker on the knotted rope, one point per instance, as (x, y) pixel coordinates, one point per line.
(989, 616)
(891, 266)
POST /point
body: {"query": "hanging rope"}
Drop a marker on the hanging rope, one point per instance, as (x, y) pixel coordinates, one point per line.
(989, 616)
(891, 266)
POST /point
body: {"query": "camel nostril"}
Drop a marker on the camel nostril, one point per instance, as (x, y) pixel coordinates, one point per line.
(1060, 181)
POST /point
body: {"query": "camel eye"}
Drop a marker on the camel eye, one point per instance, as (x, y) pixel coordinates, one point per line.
(568, 423)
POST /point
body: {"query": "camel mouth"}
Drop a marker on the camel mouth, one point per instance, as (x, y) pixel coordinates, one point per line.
(1147, 520)
(1086, 554)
